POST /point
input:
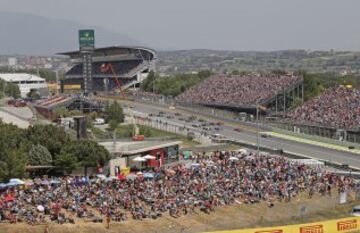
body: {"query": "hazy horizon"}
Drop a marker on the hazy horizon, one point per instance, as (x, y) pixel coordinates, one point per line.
(243, 25)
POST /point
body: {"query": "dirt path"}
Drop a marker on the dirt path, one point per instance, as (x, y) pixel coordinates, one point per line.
(227, 217)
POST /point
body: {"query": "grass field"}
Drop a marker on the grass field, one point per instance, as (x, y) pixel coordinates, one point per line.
(126, 132)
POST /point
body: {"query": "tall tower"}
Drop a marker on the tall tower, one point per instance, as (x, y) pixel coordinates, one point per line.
(87, 46)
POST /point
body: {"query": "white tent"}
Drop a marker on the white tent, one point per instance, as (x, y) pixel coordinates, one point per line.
(149, 157)
(139, 159)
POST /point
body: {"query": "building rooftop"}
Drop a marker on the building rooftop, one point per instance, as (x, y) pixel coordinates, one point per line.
(11, 77)
(132, 147)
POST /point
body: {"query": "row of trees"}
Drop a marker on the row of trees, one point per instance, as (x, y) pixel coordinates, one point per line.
(316, 83)
(45, 145)
(173, 85)
(9, 89)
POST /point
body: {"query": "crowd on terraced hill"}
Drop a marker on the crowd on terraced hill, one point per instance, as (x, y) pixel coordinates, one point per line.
(237, 91)
(337, 107)
(209, 181)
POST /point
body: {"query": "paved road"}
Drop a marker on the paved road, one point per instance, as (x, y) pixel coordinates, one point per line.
(248, 134)
(16, 116)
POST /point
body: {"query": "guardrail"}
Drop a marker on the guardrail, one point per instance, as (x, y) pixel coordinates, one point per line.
(314, 137)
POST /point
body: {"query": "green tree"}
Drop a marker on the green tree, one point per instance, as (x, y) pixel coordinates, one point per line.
(87, 153)
(12, 165)
(2, 89)
(13, 143)
(33, 94)
(11, 138)
(39, 155)
(235, 72)
(114, 114)
(50, 136)
(173, 85)
(12, 90)
(67, 162)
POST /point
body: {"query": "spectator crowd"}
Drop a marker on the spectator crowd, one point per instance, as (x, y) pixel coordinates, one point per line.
(237, 91)
(337, 107)
(203, 184)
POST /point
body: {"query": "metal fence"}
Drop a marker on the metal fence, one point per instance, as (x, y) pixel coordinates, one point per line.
(345, 137)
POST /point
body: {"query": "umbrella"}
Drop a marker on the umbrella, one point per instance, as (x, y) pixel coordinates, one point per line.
(243, 150)
(15, 182)
(40, 208)
(195, 164)
(139, 173)
(148, 175)
(111, 178)
(9, 198)
(121, 176)
(45, 182)
(149, 157)
(101, 176)
(2, 185)
(233, 158)
(131, 177)
(55, 182)
(139, 159)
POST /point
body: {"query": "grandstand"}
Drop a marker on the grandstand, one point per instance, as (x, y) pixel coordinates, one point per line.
(130, 66)
(235, 92)
(335, 114)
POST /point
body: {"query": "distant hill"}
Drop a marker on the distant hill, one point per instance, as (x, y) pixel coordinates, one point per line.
(35, 35)
(221, 61)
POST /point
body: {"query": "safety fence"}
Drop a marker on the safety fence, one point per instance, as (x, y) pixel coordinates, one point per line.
(331, 226)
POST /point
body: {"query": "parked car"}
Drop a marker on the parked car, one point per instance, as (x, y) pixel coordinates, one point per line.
(99, 121)
(355, 211)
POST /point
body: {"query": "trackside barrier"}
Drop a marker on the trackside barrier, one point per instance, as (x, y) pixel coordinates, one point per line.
(332, 226)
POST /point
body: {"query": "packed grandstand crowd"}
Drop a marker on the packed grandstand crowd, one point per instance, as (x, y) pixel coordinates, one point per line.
(337, 107)
(237, 91)
(207, 182)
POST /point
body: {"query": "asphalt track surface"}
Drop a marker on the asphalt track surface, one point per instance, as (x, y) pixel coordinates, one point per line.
(248, 134)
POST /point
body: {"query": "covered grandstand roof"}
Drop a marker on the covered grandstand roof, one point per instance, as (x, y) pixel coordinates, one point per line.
(127, 148)
(65, 101)
(144, 52)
